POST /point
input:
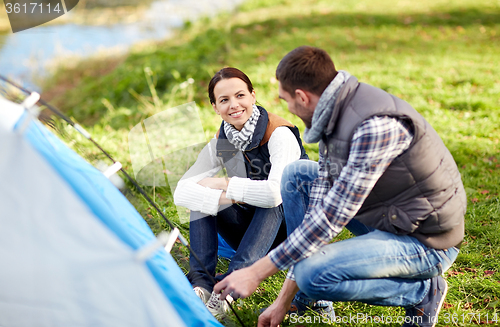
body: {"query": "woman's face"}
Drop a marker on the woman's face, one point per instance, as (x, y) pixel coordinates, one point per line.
(233, 101)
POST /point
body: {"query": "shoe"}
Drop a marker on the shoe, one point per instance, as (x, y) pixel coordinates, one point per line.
(202, 293)
(217, 307)
(425, 314)
(298, 309)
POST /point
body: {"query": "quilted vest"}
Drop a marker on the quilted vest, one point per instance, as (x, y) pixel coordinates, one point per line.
(421, 193)
(256, 159)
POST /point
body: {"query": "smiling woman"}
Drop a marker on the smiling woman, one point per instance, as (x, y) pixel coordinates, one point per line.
(234, 101)
(244, 207)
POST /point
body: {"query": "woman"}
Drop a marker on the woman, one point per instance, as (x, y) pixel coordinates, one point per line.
(254, 147)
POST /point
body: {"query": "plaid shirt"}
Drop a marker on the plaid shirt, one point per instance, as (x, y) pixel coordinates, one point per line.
(333, 203)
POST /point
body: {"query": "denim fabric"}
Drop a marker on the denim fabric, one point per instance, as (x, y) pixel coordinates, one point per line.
(251, 231)
(374, 267)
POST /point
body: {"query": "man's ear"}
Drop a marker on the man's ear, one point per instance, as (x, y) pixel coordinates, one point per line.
(306, 98)
(215, 109)
(303, 97)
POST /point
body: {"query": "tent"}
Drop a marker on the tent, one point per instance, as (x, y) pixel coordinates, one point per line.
(69, 242)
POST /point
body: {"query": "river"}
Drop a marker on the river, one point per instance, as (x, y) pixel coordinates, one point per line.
(28, 54)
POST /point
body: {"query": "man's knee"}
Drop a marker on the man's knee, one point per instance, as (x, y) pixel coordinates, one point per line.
(314, 276)
(302, 278)
(305, 275)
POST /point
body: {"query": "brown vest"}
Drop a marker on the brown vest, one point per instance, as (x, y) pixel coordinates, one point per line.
(421, 193)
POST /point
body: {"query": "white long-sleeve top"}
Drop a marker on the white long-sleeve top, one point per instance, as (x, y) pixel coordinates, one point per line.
(283, 149)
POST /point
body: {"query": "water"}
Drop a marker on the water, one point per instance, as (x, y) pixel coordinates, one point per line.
(28, 53)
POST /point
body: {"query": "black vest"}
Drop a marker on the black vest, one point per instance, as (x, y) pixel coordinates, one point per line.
(256, 159)
(421, 193)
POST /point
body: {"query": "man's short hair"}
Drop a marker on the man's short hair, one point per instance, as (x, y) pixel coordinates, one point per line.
(306, 68)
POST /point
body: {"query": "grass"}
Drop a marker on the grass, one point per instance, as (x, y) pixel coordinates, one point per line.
(440, 56)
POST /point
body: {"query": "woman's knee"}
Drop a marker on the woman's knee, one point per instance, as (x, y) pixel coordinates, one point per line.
(288, 176)
(297, 172)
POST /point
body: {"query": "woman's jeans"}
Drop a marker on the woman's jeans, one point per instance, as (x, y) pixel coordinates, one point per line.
(251, 231)
(374, 267)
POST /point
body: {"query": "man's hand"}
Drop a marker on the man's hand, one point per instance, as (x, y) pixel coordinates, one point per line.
(239, 284)
(275, 313)
(215, 183)
(273, 316)
(242, 283)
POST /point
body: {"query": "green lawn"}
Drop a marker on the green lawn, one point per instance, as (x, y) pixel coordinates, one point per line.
(443, 57)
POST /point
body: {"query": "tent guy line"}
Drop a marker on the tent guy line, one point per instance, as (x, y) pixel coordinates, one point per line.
(88, 136)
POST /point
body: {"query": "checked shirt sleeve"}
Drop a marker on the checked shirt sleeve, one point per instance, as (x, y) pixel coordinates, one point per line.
(321, 185)
(375, 144)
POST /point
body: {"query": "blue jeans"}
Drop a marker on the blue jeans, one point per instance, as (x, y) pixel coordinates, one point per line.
(251, 231)
(374, 267)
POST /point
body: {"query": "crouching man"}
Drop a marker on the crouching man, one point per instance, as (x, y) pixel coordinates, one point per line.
(383, 173)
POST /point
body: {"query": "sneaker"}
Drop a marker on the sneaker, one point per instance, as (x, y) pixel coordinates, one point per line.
(202, 293)
(425, 314)
(298, 309)
(217, 307)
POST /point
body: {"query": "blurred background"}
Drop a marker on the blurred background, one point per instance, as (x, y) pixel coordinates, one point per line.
(112, 65)
(95, 27)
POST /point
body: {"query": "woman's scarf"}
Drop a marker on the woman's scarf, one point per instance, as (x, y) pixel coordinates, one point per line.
(241, 139)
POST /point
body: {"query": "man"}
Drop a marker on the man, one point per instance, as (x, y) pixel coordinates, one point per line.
(383, 173)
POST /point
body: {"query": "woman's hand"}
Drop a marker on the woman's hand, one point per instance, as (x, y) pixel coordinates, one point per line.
(224, 200)
(215, 183)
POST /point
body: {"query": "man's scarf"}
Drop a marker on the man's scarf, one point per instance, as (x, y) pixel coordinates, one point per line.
(324, 108)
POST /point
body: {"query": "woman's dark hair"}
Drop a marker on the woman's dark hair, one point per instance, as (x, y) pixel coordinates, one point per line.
(226, 73)
(307, 68)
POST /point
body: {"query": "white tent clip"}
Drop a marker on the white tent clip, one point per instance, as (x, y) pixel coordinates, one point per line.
(163, 239)
(33, 111)
(31, 100)
(171, 240)
(113, 169)
(82, 131)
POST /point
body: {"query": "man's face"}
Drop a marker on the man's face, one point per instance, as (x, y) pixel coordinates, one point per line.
(296, 107)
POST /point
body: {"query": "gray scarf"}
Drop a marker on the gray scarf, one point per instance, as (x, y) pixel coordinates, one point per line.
(241, 139)
(324, 108)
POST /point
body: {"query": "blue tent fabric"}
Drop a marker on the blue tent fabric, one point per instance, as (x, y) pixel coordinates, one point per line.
(116, 212)
(61, 266)
(224, 249)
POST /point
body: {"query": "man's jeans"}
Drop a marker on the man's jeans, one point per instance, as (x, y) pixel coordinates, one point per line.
(374, 267)
(251, 231)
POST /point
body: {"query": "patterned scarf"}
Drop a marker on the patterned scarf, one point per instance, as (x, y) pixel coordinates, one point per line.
(324, 108)
(241, 139)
